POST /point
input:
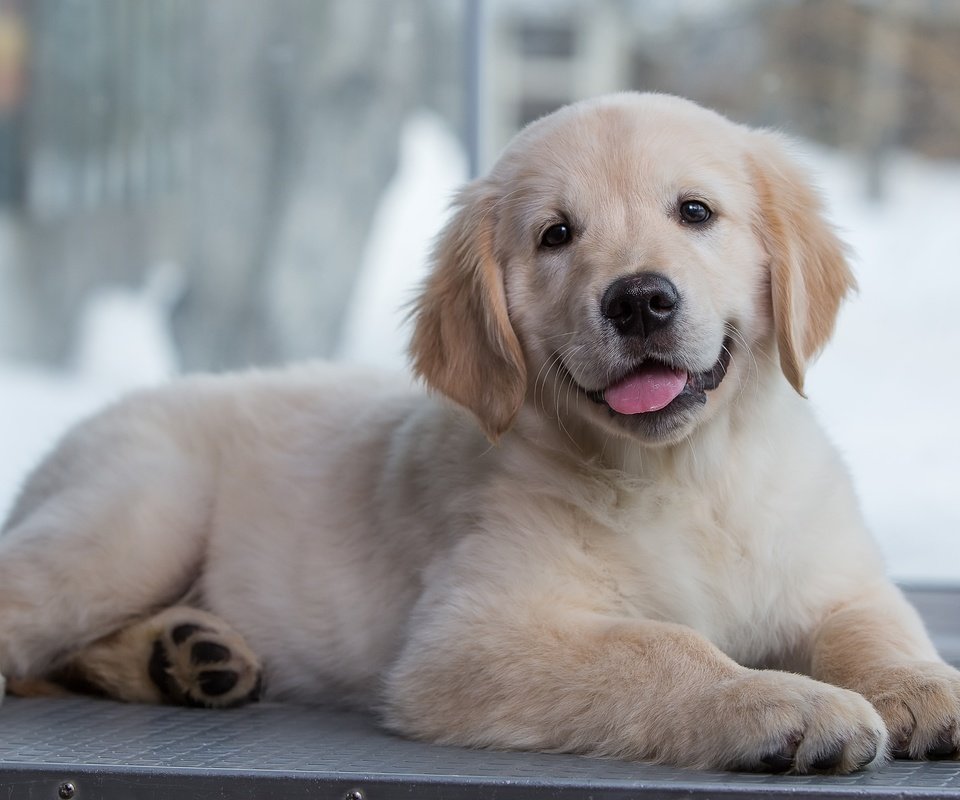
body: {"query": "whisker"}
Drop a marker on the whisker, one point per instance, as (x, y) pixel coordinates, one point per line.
(740, 339)
(568, 385)
(570, 388)
(542, 382)
(557, 336)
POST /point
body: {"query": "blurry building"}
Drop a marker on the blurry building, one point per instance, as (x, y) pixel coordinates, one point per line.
(249, 142)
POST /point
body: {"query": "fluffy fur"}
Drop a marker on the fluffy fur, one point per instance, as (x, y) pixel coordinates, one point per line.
(694, 587)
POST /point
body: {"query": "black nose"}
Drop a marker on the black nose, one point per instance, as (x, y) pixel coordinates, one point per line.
(640, 304)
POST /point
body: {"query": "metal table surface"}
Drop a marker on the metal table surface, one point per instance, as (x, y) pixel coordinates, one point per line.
(85, 748)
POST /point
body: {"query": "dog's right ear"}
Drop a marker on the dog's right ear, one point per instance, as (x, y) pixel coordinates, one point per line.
(463, 344)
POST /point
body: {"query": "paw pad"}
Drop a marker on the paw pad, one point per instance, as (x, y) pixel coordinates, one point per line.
(207, 665)
(209, 653)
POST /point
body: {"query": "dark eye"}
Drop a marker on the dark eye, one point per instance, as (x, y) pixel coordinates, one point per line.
(556, 235)
(694, 212)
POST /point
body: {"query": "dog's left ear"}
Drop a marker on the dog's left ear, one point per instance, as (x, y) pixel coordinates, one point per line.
(463, 344)
(809, 273)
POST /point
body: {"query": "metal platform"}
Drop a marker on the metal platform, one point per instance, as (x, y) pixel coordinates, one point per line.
(84, 748)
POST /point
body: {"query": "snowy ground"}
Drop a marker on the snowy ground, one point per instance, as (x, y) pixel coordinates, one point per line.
(885, 389)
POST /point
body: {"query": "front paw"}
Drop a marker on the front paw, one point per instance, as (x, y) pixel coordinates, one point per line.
(920, 704)
(781, 722)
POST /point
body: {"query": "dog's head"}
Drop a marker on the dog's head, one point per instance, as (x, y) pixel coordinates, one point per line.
(628, 261)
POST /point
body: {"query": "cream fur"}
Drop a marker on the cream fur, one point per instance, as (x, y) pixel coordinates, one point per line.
(581, 586)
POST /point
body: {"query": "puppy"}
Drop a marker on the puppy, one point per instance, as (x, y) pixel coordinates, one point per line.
(659, 556)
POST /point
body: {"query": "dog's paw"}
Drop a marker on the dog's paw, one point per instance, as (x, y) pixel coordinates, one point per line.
(920, 703)
(197, 660)
(780, 722)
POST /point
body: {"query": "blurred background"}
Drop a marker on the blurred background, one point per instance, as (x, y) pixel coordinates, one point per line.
(191, 184)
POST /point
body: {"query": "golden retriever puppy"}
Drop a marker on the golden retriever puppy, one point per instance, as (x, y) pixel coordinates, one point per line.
(625, 536)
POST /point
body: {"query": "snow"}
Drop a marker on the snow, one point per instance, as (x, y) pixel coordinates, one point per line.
(411, 212)
(125, 335)
(36, 406)
(885, 389)
(123, 343)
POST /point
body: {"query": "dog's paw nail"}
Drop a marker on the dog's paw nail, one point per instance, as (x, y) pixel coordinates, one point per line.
(869, 756)
(830, 760)
(900, 743)
(777, 762)
(191, 702)
(209, 653)
(943, 747)
(780, 761)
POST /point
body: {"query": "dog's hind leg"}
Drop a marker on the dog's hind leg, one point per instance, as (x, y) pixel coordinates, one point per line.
(110, 529)
(181, 655)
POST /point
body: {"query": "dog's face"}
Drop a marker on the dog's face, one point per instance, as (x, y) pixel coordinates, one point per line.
(627, 262)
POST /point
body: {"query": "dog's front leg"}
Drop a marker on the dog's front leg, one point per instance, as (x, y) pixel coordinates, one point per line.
(571, 681)
(876, 645)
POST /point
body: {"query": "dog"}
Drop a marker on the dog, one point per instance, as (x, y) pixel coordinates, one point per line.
(612, 526)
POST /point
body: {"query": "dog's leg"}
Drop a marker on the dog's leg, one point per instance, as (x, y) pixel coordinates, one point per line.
(110, 536)
(877, 646)
(601, 685)
(182, 655)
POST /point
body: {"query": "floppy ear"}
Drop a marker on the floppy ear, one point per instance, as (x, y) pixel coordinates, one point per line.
(809, 274)
(463, 344)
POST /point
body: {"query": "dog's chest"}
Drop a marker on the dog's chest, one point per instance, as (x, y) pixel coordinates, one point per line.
(721, 568)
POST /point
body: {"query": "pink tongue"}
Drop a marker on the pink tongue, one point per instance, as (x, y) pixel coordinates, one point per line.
(650, 389)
